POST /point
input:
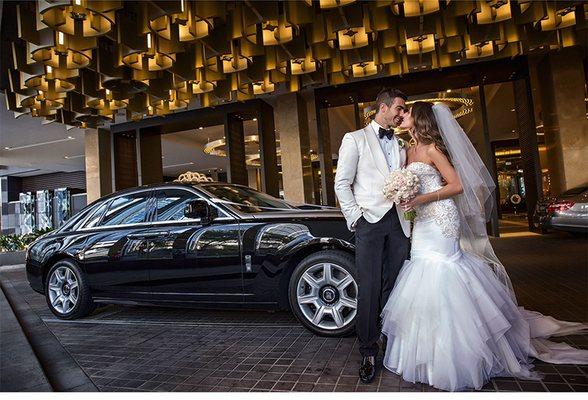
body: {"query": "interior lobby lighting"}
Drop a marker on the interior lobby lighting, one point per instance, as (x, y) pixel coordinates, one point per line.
(448, 90)
(254, 119)
(200, 127)
(178, 165)
(27, 146)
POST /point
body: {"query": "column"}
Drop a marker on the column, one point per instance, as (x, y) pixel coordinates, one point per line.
(528, 145)
(125, 160)
(325, 157)
(270, 177)
(236, 170)
(252, 178)
(150, 164)
(292, 124)
(563, 109)
(98, 164)
(490, 162)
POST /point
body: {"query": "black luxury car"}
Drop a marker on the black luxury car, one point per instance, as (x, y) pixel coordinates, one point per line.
(205, 245)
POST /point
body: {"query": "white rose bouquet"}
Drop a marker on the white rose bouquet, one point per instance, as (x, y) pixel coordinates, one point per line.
(402, 185)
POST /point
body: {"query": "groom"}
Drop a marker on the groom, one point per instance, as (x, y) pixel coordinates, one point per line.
(366, 157)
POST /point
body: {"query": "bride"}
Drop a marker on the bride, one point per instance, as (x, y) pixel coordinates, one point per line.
(452, 320)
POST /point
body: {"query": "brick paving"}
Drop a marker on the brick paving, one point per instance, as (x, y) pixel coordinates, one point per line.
(164, 349)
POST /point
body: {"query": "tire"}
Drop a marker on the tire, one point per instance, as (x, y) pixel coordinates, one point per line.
(311, 290)
(76, 300)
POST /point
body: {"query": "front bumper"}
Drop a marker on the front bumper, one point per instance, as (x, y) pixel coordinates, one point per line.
(35, 276)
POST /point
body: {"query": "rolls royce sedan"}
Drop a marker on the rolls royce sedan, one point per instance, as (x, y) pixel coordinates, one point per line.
(209, 245)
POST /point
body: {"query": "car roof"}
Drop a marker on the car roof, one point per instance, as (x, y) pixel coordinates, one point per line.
(155, 186)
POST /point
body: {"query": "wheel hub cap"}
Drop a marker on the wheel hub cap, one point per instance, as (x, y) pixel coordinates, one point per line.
(63, 290)
(327, 296)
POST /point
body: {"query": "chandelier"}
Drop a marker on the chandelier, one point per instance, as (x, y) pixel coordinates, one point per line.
(80, 62)
(252, 157)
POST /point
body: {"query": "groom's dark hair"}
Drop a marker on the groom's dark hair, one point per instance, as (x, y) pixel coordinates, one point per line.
(387, 96)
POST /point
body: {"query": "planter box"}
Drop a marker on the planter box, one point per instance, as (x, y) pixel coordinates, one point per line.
(12, 258)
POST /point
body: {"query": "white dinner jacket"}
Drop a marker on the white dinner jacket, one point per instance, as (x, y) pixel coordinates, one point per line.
(361, 173)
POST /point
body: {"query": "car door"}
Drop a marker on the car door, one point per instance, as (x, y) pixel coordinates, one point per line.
(192, 262)
(116, 250)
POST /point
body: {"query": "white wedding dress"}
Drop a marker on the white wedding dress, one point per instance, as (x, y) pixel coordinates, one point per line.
(450, 322)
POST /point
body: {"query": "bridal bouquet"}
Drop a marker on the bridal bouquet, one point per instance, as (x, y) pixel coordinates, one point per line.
(402, 185)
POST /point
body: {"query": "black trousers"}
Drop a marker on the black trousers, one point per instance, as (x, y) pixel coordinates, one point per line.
(380, 251)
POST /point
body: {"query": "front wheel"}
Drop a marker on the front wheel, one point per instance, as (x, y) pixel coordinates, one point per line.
(67, 291)
(323, 293)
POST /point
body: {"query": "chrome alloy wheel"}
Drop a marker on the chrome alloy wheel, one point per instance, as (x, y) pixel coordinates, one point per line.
(64, 291)
(327, 296)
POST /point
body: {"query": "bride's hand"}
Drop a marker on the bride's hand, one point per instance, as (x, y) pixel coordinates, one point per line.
(411, 204)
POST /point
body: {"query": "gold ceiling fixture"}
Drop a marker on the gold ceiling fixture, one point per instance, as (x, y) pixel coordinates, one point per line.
(79, 17)
(252, 157)
(459, 106)
(156, 57)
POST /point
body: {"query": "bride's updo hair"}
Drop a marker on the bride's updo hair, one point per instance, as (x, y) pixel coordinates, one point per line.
(425, 128)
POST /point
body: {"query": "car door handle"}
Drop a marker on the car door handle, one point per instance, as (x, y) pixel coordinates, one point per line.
(148, 235)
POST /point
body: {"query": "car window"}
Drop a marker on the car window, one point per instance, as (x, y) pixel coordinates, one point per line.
(94, 217)
(247, 200)
(171, 203)
(127, 209)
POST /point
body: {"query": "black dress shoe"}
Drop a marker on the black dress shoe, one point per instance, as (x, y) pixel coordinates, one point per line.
(367, 369)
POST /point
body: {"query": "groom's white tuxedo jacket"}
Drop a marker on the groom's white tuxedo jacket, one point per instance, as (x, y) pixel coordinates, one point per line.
(362, 169)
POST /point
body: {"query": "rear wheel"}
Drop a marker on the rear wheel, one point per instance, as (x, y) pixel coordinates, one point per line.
(323, 293)
(67, 291)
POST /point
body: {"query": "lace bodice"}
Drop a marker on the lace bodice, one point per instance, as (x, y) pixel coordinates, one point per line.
(443, 212)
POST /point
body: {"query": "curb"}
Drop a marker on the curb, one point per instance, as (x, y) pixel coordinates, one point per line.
(62, 371)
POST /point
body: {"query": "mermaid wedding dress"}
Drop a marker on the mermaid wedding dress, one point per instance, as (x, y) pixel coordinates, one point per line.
(450, 322)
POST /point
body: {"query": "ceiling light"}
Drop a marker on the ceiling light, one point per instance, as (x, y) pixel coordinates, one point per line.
(512, 109)
(448, 90)
(255, 119)
(26, 146)
(178, 165)
(201, 127)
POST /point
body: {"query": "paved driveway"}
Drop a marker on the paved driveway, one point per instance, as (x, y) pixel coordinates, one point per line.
(125, 348)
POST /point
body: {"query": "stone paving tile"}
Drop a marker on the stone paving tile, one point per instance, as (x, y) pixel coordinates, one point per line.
(164, 349)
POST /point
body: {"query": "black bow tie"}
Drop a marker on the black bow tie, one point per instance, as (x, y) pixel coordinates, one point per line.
(389, 133)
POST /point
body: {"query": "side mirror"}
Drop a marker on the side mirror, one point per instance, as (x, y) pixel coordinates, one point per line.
(200, 209)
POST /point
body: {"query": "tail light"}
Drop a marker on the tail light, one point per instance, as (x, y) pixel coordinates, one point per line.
(559, 206)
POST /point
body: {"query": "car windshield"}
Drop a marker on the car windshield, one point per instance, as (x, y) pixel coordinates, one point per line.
(245, 199)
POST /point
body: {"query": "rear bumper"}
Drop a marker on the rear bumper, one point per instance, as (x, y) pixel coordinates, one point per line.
(568, 224)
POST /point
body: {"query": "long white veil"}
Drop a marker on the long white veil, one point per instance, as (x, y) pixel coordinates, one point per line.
(477, 203)
(475, 207)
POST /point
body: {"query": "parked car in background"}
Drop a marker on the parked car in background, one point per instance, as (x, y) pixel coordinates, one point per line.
(566, 212)
(209, 245)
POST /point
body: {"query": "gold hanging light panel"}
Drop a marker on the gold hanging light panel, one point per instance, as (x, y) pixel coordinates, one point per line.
(77, 62)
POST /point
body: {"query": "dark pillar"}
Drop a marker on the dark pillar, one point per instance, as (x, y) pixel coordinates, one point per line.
(150, 166)
(325, 156)
(125, 160)
(490, 162)
(236, 170)
(528, 144)
(270, 183)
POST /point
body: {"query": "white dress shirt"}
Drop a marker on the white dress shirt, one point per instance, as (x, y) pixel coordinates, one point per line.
(388, 146)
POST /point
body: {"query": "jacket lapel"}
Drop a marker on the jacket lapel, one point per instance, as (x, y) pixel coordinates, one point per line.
(376, 150)
(402, 154)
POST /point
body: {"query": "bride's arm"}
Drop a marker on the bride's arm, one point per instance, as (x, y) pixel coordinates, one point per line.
(452, 188)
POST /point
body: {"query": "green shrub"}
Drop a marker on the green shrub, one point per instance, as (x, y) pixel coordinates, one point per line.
(20, 242)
